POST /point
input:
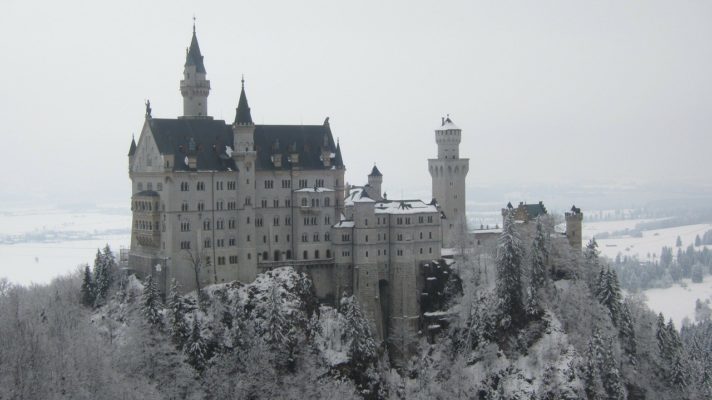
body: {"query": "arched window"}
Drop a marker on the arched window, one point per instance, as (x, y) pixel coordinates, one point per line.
(276, 255)
(289, 254)
(265, 256)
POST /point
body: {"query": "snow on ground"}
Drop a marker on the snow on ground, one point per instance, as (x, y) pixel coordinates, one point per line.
(591, 229)
(37, 245)
(678, 302)
(25, 263)
(651, 241)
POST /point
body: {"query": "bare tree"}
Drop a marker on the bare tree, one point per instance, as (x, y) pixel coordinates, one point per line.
(198, 260)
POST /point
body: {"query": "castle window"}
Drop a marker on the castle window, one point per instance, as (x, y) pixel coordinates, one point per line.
(316, 254)
(302, 183)
(421, 235)
(366, 253)
(289, 254)
(305, 237)
(421, 220)
(185, 245)
(430, 250)
(399, 252)
(231, 185)
(218, 185)
(288, 237)
(248, 201)
(184, 206)
(201, 206)
(206, 225)
(328, 253)
(220, 224)
(233, 259)
(248, 220)
(275, 221)
(287, 203)
(269, 184)
(276, 255)
(184, 186)
(365, 221)
(275, 203)
(265, 256)
(305, 256)
(430, 235)
(366, 239)
(231, 205)
(264, 203)
(400, 237)
(258, 221)
(288, 221)
(249, 256)
(220, 242)
(264, 238)
(276, 238)
(304, 202)
(200, 186)
(327, 237)
(319, 183)
(231, 242)
(149, 186)
(248, 238)
(430, 219)
(219, 205)
(231, 224)
(221, 260)
(286, 184)
(421, 250)
(407, 221)
(327, 202)
(316, 237)
(139, 186)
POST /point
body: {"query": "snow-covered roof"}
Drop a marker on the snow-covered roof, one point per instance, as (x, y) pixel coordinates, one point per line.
(404, 207)
(344, 224)
(447, 125)
(314, 190)
(355, 195)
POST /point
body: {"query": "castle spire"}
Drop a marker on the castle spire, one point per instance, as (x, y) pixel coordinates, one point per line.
(242, 114)
(194, 87)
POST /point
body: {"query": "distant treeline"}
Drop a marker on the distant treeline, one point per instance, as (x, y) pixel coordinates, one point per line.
(692, 263)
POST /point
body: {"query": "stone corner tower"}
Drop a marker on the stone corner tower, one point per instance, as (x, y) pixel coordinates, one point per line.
(574, 219)
(449, 173)
(194, 87)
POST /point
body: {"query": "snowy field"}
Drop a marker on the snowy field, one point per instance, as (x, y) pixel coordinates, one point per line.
(651, 241)
(38, 245)
(678, 302)
(591, 229)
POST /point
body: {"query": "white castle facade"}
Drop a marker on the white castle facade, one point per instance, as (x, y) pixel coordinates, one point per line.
(216, 201)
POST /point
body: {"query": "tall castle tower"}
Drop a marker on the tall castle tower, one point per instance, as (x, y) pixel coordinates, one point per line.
(245, 156)
(574, 219)
(449, 172)
(194, 87)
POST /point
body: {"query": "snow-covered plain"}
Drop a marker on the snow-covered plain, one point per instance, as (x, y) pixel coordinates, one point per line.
(678, 302)
(38, 245)
(651, 241)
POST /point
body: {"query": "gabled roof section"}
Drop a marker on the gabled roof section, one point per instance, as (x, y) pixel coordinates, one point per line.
(193, 56)
(242, 113)
(305, 140)
(132, 149)
(375, 171)
(210, 140)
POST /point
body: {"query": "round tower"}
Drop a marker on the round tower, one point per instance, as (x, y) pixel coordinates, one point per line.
(449, 173)
(194, 87)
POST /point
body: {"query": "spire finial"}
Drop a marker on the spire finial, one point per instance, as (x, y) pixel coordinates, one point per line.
(243, 81)
(193, 23)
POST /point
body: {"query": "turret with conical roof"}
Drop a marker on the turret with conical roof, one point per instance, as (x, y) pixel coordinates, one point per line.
(242, 113)
(375, 180)
(194, 87)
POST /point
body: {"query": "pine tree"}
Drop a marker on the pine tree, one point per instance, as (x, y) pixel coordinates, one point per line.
(87, 289)
(196, 349)
(591, 376)
(627, 334)
(661, 335)
(678, 242)
(509, 275)
(608, 293)
(151, 300)
(277, 334)
(698, 241)
(178, 307)
(610, 376)
(362, 347)
(537, 279)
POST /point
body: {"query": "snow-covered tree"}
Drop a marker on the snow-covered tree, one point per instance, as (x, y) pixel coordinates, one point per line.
(178, 307)
(678, 242)
(537, 272)
(278, 336)
(196, 348)
(362, 347)
(608, 294)
(151, 302)
(87, 290)
(610, 375)
(593, 385)
(509, 276)
(626, 331)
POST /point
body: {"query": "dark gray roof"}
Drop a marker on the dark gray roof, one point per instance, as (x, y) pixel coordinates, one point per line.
(306, 140)
(534, 210)
(193, 56)
(132, 149)
(173, 136)
(375, 171)
(147, 193)
(242, 114)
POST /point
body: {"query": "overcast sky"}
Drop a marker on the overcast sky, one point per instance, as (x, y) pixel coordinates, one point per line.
(544, 91)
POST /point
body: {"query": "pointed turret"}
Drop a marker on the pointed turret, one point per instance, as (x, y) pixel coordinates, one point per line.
(242, 114)
(375, 180)
(132, 149)
(193, 57)
(375, 171)
(338, 160)
(194, 87)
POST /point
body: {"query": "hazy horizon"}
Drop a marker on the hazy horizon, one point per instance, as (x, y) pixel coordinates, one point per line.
(552, 93)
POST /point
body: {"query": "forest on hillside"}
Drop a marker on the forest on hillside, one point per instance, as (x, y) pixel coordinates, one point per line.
(533, 320)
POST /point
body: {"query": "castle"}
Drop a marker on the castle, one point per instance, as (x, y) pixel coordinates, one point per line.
(215, 202)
